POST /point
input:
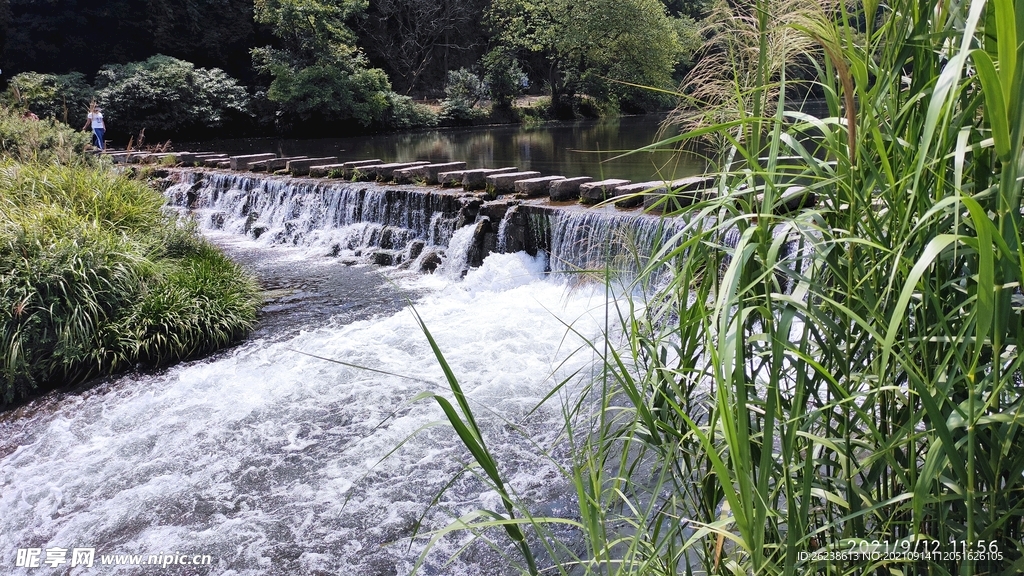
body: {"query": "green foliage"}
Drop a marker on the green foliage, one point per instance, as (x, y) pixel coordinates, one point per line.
(164, 95)
(59, 96)
(463, 90)
(598, 48)
(81, 36)
(503, 76)
(842, 379)
(43, 141)
(319, 76)
(95, 278)
(404, 114)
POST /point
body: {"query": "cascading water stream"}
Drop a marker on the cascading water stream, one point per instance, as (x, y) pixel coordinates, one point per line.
(275, 462)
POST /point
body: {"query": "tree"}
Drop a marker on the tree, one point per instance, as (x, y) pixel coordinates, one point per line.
(165, 95)
(320, 78)
(419, 41)
(60, 36)
(58, 96)
(588, 48)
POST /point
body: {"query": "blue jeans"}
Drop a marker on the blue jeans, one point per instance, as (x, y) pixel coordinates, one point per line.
(98, 133)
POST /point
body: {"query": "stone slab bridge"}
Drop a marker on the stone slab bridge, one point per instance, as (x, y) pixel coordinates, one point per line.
(490, 183)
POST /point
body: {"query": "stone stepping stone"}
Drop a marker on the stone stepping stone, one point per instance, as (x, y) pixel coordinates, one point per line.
(274, 163)
(477, 179)
(327, 170)
(301, 167)
(245, 161)
(678, 194)
(567, 189)
(498, 184)
(212, 161)
(792, 199)
(535, 187)
(427, 173)
(347, 168)
(595, 192)
(383, 172)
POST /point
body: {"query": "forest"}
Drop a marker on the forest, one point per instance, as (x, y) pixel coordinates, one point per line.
(204, 68)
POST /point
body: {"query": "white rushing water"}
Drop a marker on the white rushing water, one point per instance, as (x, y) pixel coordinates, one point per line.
(275, 462)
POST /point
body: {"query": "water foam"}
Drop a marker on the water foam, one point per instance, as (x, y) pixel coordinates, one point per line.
(271, 460)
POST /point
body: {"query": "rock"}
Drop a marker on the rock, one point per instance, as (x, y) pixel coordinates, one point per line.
(535, 187)
(244, 162)
(792, 199)
(327, 171)
(382, 172)
(450, 179)
(383, 258)
(301, 167)
(427, 173)
(477, 179)
(430, 261)
(258, 230)
(347, 168)
(632, 195)
(274, 163)
(567, 189)
(416, 248)
(595, 192)
(505, 183)
(212, 161)
(677, 194)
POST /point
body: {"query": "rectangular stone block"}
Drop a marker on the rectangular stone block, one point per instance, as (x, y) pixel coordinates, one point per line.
(243, 162)
(595, 192)
(224, 164)
(535, 187)
(301, 167)
(212, 161)
(477, 179)
(792, 199)
(382, 172)
(567, 189)
(427, 173)
(326, 171)
(450, 179)
(349, 167)
(678, 194)
(273, 164)
(498, 184)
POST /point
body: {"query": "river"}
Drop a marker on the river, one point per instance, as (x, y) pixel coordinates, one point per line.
(579, 148)
(269, 459)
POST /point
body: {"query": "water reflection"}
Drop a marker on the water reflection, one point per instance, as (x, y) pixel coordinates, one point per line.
(582, 148)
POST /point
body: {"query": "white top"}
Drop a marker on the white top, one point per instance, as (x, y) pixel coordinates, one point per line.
(97, 119)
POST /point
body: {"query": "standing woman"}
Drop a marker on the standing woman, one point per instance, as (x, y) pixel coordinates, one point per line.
(98, 127)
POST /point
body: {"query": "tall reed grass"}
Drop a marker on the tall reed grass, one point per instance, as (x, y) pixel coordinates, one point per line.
(836, 389)
(95, 277)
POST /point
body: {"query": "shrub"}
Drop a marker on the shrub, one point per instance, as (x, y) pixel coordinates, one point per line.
(403, 114)
(95, 278)
(44, 141)
(59, 96)
(165, 95)
(463, 90)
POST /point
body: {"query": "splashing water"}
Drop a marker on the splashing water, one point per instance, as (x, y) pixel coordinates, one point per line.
(275, 462)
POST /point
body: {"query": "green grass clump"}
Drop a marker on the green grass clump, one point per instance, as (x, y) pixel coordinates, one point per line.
(95, 278)
(44, 141)
(838, 389)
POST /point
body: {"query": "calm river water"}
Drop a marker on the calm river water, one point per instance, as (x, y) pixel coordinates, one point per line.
(581, 148)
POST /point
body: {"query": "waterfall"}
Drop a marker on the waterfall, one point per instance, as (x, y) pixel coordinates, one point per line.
(345, 218)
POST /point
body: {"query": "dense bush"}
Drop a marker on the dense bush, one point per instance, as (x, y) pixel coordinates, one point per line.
(46, 140)
(95, 277)
(64, 97)
(165, 95)
(463, 90)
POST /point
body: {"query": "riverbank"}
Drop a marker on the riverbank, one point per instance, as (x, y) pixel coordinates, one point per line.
(96, 278)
